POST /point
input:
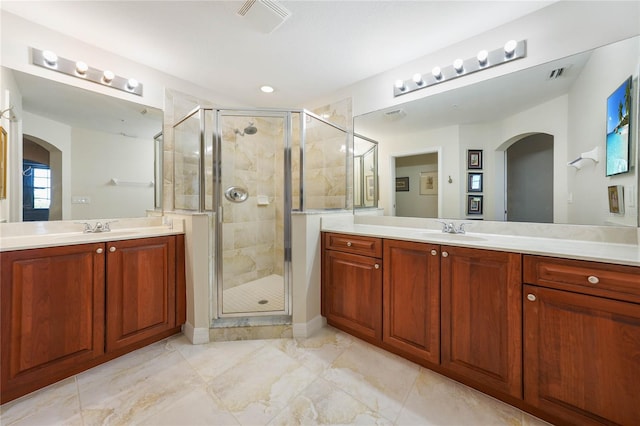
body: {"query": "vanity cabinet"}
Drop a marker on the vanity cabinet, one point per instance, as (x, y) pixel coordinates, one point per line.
(352, 284)
(66, 309)
(52, 302)
(411, 299)
(582, 340)
(482, 317)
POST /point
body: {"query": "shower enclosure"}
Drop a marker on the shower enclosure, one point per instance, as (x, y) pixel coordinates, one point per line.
(250, 169)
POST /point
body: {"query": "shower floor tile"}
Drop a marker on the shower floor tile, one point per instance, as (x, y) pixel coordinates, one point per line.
(262, 295)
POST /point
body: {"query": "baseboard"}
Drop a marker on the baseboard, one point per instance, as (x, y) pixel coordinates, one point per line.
(307, 329)
(197, 336)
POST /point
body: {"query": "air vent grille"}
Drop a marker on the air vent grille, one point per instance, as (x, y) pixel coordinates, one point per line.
(557, 73)
(263, 15)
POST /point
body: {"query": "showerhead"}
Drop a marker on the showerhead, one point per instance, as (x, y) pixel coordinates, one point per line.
(250, 129)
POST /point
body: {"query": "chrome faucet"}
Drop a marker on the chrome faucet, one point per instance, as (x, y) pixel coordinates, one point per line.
(450, 227)
(98, 227)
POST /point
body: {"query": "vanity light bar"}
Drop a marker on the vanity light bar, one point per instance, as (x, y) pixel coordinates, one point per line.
(48, 59)
(511, 51)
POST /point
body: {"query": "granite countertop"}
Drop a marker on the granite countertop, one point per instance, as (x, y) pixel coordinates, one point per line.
(23, 236)
(623, 254)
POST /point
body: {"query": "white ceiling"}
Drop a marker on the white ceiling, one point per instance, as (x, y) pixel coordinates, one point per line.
(323, 46)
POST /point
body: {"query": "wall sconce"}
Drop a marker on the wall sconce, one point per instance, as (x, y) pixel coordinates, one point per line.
(48, 59)
(511, 51)
(578, 163)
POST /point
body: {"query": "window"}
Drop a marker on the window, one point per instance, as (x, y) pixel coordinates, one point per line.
(36, 185)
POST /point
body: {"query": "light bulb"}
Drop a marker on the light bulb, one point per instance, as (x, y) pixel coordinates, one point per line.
(400, 84)
(50, 58)
(458, 65)
(510, 48)
(437, 73)
(417, 78)
(483, 55)
(82, 67)
(267, 89)
(108, 76)
(132, 84)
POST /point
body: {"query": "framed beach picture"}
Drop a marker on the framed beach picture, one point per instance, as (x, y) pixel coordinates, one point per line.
(474, 182)
(618, 132)
(474, 204)
(474, 159)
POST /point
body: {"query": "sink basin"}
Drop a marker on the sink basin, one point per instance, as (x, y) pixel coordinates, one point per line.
(452, 237)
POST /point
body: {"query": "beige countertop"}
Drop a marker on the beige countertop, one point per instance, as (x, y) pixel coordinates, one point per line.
(23, 236)
(618, 253)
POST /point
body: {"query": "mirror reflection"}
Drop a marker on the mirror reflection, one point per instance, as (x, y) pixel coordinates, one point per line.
(365, 172)
(87, 155)
(516, 135)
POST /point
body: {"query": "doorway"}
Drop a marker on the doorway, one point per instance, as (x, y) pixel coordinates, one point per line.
(416, 190)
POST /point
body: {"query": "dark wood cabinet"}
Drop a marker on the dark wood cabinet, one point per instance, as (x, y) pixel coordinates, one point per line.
(65, 309)
(141, 290)
(411, 299)
(352, 286)
(581, 350)
(482, 317)
(52, 314)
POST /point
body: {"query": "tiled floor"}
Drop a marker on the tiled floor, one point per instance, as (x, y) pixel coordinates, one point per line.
(330, 378)
(247, 297)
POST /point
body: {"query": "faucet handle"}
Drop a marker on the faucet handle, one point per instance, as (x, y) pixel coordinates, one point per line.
(445, 225)
(87, 226)
(106, 227)
(461, 229)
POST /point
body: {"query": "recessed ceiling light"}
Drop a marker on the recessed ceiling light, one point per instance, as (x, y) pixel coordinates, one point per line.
(267, 89)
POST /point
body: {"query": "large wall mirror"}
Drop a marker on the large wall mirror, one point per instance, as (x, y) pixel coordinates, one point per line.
(86, 155)
(499, 149)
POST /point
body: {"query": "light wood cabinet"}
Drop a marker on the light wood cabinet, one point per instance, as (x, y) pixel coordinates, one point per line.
(411, 299)
(66, 309)
(352, 285)
(582, 350)
(482, 317)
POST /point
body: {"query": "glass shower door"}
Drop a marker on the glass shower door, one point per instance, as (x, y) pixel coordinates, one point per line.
(253, 215)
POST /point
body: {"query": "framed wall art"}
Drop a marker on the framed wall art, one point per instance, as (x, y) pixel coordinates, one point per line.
(474, 182)
(402, 184)
(618, 131)
(474, 204)
(474, 159)
(428, 183)
(616, 199)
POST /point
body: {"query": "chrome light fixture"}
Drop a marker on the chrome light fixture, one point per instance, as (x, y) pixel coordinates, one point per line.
(511, 51)
(79, 69)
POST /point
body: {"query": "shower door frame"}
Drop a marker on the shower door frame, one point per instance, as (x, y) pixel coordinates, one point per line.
(218, 317)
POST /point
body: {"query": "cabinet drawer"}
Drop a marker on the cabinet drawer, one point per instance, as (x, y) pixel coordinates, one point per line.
(600, 279)
(366, 246)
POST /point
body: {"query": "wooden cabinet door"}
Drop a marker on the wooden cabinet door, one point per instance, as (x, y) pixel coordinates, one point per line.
(140, 290)
(352, 286)
(52, 302)
(482, 317)
(582, 357)
(411, 298)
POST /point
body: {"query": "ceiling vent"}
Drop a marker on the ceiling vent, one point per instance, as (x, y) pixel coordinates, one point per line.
(395, 114)
(557, 73)
(264, 15)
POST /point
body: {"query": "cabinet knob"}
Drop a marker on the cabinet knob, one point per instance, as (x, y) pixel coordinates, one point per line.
(434, 252)
(112, 249)
(376, 266)
(99, 251)
(593, 279)
(531, 297)
(445, 254)
(348, 243)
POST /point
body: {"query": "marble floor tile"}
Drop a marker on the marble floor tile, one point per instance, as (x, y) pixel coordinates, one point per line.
(437, 400)
(358, 371)
(322, 404)
(262, 386)
(329, 378)
(56, 404)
